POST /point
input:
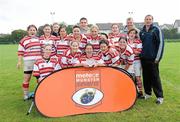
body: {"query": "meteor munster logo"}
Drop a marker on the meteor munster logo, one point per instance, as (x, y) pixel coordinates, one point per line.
(87, 89)
(87, 96)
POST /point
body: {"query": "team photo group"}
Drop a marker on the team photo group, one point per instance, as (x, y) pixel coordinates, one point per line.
(138, 51)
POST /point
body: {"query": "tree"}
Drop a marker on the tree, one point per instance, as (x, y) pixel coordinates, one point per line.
(171, 33)
(40, 31)
(17, 35)
(6, 39)
(69, 29)
(62, 23)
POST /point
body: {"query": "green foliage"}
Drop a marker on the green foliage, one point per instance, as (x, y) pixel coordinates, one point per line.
(69, 29)
(89, 25)
(40, 31)
(17, 35)
(6, 39)
(171, 34)
(62, 23)
(12, 38)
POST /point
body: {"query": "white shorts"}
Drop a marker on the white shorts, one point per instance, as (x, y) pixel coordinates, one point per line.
(137, 67)
(29, 65)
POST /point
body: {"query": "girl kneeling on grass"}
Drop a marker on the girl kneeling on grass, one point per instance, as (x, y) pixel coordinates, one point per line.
(71, 57)
(29, 49)
(89, 59)
(126, 55)
(45, 65)
(109, 55)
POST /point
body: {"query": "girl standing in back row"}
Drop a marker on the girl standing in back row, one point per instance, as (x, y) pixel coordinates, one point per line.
(94, 38)
(77, 36)
(136, 45)
(47, 38)
(62, 44)
(30, 50)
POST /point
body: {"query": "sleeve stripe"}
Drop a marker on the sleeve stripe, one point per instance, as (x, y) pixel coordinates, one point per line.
(160, 50)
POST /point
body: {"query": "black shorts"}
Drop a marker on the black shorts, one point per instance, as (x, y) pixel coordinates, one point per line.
(27, 72)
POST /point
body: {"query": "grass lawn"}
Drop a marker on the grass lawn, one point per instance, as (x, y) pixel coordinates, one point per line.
(13, 108)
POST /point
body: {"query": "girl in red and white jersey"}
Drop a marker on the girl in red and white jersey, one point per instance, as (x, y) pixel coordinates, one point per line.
(126, 55)
(55, 29)
(45, 65)
(47, 38)
(77, 36)
(136, 45)
(71, 57)
(94, 38)
(62, 44)
(104, 36)
(115, 35)
(108, 55)
(30, 50)
(89, 59)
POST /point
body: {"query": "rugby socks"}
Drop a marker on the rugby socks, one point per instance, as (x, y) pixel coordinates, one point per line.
(139, 85)
(25, 87)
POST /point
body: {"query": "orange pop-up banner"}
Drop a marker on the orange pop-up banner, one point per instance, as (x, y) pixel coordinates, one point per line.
(85, 90)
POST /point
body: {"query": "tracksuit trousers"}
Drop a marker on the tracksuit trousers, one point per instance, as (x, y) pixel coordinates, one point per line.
(151, 78)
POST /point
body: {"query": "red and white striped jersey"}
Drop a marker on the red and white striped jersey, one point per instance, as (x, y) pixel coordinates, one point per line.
(136, 45)
(126, 56)
(111, 43)
(43, 67)
(110, 57)
(95, 42)
(62, 44)
(50, 41)
(29, 48)
(95, 59)
(69, 59)
(83, 41)
(115, 38)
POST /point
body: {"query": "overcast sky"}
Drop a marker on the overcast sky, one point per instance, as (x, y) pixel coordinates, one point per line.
(18, 14)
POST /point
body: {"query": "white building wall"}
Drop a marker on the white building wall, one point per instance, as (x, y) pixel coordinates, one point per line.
(178, 29)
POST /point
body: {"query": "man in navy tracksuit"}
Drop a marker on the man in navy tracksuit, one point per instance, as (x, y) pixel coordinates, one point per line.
(153, 45)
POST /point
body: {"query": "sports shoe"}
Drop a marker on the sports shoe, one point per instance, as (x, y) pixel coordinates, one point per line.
(140, 96)
(31, 95)
(159, 100)
(147, 96)
(26, 97)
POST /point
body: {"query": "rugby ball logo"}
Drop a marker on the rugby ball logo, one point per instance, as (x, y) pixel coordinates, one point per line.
(87, 96)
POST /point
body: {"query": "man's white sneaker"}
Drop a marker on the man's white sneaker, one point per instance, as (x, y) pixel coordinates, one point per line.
(159, 100)
(146, 96)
